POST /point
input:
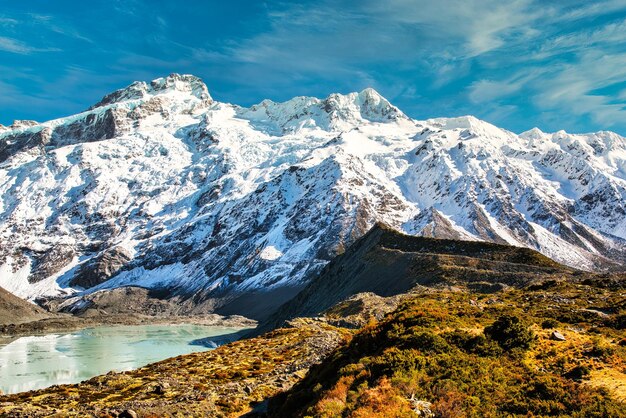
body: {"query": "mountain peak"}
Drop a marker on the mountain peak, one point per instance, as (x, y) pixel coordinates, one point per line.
(366, 105)
(459, 122)
(335, 112)
(184, 83)
(370, 94)
(534, 133)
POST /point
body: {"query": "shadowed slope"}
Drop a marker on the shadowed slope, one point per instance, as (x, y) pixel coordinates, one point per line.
(14, 310)
(387, 262)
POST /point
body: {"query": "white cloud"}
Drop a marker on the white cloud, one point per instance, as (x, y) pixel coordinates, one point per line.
(573, 87)
(396, 30)
(483, 91)
(609, 36)
(471, 27)
(19, 47)
(7, 21)
(569, 88)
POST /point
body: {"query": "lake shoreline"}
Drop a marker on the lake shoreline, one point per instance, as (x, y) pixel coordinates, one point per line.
(61, 323)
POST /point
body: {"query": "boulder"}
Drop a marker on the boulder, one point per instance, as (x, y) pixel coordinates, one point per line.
(557, 336)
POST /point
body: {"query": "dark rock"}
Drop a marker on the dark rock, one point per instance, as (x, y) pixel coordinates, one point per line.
(14, 143)
(161, 388)
(101, 268)
(128, 413)
(93, 127)
(51, 262)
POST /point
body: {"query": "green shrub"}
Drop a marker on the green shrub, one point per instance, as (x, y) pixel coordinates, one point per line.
(474, 344)
(550, 323)
(510, 332)
(578, 373)
(394, 359)
(426, 341)
(618, 322)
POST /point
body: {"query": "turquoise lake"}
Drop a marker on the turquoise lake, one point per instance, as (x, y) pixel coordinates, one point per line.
(39, 361)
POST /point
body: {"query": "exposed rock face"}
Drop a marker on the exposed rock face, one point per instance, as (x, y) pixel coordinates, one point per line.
(101, 268)
(159, 186)
(186, 84)
(431, 223)
(23, 140)
(124, 301)
(93, 127)
(52, 262)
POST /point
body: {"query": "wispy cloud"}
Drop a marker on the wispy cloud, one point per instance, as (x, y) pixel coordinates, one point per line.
(567, 72)
(609, 36)
(7, 21)
(397, 30)
(517, 63)
(42, 26)
(53, 24)
(19, 47)
(484, 91)
(469, 28)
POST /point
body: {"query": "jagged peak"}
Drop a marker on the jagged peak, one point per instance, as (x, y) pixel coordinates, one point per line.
(17, 124)
(185, 83)
(368, 103)
(370, 92)
(367, 95)
(335, 112)
(371, 96)
(534, 133)
(560, 134)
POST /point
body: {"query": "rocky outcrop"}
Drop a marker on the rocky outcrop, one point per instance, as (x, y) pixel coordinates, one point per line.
(101, 268)
(93, 127)
(51, 262)
(174, 82)
(23, 140)
(14, 310)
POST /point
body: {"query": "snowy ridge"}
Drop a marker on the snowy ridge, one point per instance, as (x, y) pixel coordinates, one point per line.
(161, 186)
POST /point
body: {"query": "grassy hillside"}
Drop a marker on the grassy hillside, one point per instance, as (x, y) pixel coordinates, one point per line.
(437, 350)
(456, 354)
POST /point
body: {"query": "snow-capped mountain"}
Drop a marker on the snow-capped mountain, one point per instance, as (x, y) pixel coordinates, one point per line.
(158, 185)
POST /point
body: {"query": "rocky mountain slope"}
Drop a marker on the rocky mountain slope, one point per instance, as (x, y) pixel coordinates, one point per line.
(14, 309)
(160, 186)
(388, 263)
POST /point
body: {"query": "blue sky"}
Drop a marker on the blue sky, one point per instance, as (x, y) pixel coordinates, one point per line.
(518, 64)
